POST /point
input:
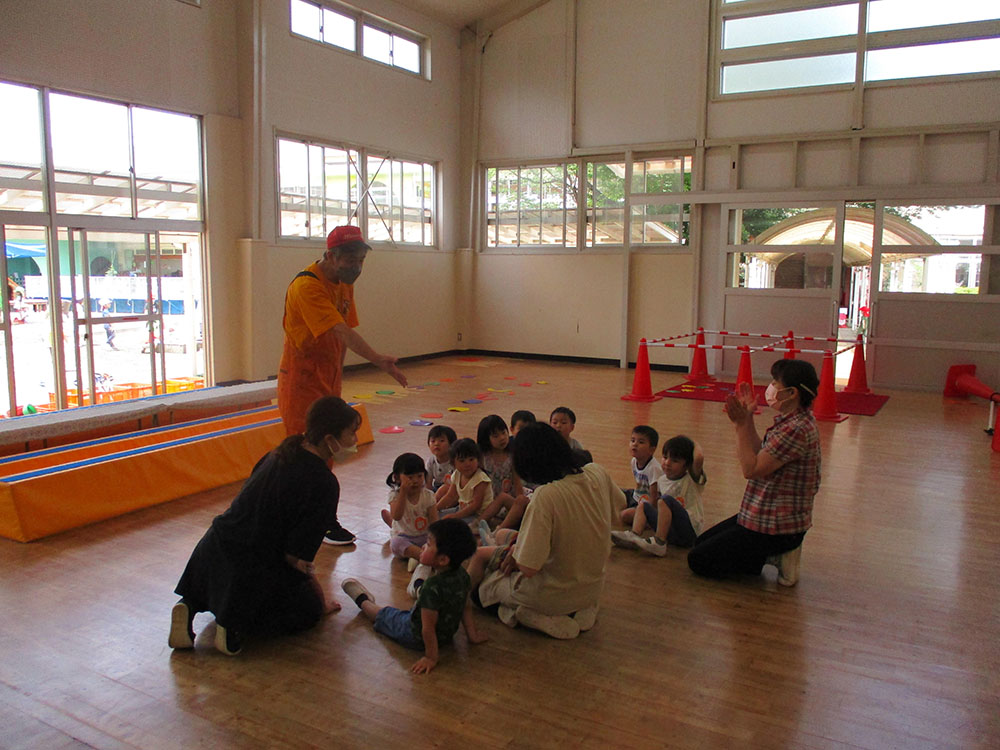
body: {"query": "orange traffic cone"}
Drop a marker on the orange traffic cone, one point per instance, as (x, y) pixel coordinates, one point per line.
(745, 374)
(858, 382)
(699, 362)
(642, 388)
(789, 345)
(825, 405)
(995, 443)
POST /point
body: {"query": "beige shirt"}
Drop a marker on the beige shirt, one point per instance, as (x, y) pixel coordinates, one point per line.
(566, 536)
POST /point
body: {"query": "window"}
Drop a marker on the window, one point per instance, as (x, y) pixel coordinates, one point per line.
(816, 42)
(321, 186)
(378, 40)
(535, 205)
(538, 205)
(99, 148)
(923, 249)
(781, 247)
(660, 223)
(113, 263)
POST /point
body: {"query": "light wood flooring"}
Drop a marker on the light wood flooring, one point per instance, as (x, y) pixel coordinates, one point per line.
(889, 640)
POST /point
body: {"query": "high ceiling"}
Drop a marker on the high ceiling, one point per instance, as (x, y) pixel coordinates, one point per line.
(456, 13)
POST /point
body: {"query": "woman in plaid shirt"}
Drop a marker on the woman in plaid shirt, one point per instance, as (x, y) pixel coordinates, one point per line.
(783, 471)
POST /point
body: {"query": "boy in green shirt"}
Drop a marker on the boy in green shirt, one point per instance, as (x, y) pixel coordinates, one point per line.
(442, 602)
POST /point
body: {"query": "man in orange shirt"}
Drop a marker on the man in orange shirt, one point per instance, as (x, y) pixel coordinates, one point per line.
(319, 321)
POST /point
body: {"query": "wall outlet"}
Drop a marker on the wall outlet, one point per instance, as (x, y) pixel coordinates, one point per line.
(459, 336)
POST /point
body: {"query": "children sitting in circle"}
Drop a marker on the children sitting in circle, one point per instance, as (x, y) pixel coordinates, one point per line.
(508, 495)
(442, 602)
(672, 509)
(439, 467)
(411, 507)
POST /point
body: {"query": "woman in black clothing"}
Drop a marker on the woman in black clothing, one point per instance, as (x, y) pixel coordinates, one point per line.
(253, 568)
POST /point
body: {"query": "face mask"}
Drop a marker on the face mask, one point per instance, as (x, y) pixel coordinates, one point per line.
(342, 454)
(771, 396)
(348, 275)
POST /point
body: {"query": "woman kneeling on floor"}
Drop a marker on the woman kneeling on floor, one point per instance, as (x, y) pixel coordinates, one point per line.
(783, 472)
(551, 578)
(253, 568)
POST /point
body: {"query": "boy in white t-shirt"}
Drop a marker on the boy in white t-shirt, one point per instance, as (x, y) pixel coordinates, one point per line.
(645, 470)
(676, 516)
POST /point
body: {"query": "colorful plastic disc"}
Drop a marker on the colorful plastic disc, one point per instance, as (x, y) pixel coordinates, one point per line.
(509, 377)
(421, 423)
(524, 385)
(543, 382)
(394, 430)
(432, 415)
(458, 408)
(468, 376)
(472, 401)
(385, 393)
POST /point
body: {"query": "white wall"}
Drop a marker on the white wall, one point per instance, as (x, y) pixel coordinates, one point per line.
(639, 69)
(161, 54)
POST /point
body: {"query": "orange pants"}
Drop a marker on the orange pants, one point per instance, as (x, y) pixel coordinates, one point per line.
(303, 377)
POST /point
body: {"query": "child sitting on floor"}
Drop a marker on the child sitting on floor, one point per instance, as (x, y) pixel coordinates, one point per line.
(677, 515)
(411, 507)
(442, 603)
(519, 419)
(494, 442)
(439, 467)
(646, 470)
(563, 420)
(470, 487)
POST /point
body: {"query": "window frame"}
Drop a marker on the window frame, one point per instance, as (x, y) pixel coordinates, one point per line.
(364, 19)
(584, 226)
(858, 45)
(361, 214)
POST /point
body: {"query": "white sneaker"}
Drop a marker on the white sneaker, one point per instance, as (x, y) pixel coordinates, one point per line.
(652, 547)
(788, 567)
(181, 634)
(507, 616)
(563, 627)
(354, 588)
(626, 539)
(586, 618)
(420, 574)
(486, 538)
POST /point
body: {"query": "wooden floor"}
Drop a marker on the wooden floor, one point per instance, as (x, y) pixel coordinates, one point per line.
(889, 640)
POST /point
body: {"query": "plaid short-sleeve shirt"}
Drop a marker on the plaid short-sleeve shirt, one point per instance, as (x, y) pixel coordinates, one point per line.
(782, 502)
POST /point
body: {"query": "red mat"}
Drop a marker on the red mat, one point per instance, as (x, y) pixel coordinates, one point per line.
(866, 405)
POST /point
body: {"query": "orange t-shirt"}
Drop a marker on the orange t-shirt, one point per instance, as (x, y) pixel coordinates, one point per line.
(314, 306)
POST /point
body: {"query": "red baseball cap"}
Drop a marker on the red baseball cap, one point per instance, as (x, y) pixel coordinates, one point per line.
(346, 238)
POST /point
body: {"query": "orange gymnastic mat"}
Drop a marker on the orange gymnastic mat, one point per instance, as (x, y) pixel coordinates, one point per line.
(74, 488)
(119, 443)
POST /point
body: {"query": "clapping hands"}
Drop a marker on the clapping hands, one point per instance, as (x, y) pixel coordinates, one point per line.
(741, 405)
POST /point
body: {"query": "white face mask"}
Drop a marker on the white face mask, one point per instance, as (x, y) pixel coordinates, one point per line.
(771, 396)
(342, 453)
